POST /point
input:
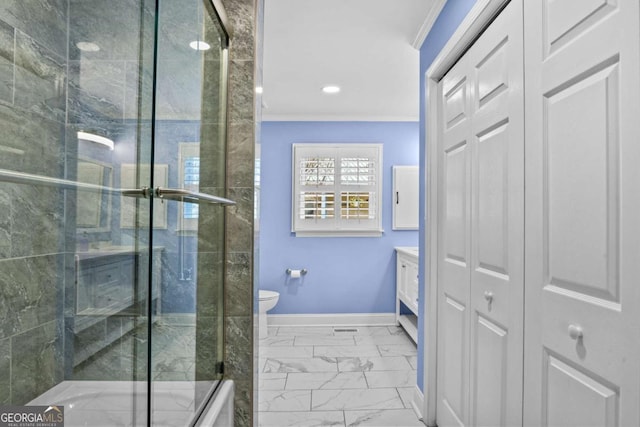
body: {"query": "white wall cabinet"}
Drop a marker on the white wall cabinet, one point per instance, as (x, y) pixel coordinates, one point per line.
(406, 180)
(407, 289)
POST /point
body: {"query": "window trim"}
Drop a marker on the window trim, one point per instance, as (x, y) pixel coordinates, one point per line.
(302, 228)
(186, 150)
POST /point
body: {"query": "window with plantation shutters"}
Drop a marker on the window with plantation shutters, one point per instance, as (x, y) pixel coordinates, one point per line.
(336, 189)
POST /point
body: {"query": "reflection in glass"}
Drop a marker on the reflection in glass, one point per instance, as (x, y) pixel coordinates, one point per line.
(94, 207)
(111, 304)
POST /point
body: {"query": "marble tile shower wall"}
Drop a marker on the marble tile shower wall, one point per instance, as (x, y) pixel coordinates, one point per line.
(48, 90)
(33, 52)
(240, 303)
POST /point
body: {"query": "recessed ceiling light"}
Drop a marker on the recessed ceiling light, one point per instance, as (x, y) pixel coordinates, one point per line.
(87, 46)
(199, 45)
(331, 89)
(259, 90)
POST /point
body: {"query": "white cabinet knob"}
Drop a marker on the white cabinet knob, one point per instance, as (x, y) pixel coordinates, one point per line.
(575, 332)
(488, 295)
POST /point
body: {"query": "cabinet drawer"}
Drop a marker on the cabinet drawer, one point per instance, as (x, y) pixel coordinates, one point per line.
(107, 274)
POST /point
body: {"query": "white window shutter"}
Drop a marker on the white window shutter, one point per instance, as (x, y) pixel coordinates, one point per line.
(336, 189)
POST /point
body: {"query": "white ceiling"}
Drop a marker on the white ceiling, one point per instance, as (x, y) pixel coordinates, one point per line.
(363, 46)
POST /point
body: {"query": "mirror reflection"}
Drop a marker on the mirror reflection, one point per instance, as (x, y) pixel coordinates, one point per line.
(93, 209)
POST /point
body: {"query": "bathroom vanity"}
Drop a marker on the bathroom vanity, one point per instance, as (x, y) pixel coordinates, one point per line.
(407, 290)
(107, 301)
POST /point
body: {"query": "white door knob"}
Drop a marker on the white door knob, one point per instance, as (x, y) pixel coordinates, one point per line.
(488, 295)
(575, 332)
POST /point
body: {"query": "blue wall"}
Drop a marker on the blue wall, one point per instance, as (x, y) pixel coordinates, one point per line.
(346, 275)
(450, 17)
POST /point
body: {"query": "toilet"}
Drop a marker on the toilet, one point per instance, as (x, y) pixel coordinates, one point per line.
(268, 300)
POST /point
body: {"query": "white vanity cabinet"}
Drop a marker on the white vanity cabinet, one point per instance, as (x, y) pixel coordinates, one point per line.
(106, 303)
(407, 290)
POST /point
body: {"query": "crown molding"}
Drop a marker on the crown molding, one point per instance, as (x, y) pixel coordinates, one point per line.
(435, 10)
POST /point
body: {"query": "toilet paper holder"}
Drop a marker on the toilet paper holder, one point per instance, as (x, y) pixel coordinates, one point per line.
(302, 272)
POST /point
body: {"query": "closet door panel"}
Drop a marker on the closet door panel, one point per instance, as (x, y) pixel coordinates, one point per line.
(491, 197)
(570, 385)
(455, 99)
(454, 247)
(454, 341)
(481, 224)
(581, 207)
(489, 394)
(497, 222)
(582, 359)
(455, 187)
(568, 20)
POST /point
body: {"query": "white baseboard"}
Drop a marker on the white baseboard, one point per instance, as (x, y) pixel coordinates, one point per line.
(341, 319)
(417, 403)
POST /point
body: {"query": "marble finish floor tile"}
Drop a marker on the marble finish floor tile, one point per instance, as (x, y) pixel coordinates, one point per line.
(326, 381)
(275, 341)
(364, 364)
(367, 330)
(406, 395)
(396, 330)
(284, 401)
(382, 340)
(314, 364)
(346, 351)
(276, 381)
(304, 330)
(387, 379)
(413, 361)
(337, 376)
(301, 419)
(344, 400)
(382, 418)
(398, 350)
(288, 352)
(339, 340)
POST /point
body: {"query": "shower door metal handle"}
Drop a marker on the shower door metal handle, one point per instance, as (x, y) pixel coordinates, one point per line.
(143, 192)
(183, 195)
(178, 194)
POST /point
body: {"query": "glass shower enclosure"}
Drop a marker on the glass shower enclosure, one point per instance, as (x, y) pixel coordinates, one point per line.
(112, 199)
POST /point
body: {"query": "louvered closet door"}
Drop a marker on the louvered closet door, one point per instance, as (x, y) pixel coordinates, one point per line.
(582, 364)
(480, 313)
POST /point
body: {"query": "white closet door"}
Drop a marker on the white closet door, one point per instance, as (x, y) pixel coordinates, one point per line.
(497, 227)
(454, 247)
(582, 364)
(481, 252)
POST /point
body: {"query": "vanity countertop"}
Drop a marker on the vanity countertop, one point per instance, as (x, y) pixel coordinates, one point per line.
(409, 250)
(111, 251)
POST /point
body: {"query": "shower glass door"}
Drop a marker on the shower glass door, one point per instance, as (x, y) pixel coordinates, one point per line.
(112, 166)
(188, 224)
